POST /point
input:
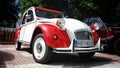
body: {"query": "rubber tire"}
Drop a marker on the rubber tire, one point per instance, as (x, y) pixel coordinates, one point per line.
(46, 52)
(117, 46)
(18, 45)
(86, 56)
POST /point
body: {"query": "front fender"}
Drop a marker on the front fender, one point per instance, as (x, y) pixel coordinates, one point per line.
(96, 37)
(55, 37)
(17, 34)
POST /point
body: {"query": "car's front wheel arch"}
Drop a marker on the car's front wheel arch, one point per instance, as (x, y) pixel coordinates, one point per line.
(35, 33)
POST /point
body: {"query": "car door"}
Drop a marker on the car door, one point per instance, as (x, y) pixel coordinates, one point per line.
(22, 31)
(29, 27)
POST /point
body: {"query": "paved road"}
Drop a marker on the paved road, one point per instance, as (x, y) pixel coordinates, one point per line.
(10, 58)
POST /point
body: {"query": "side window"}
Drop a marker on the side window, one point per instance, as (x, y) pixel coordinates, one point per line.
(40, 13)
(30, 14)
(24, 19)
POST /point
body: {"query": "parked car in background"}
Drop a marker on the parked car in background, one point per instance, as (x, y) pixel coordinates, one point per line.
(47, 31)
(108, 32)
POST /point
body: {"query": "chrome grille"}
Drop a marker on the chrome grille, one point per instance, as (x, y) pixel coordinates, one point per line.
(83, 35)
(84, 39)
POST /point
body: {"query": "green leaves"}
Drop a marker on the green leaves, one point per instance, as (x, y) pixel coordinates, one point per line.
(28, 3)
(79, 9)
(86, 3)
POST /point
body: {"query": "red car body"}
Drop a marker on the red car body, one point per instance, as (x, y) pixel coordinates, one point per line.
(109, 34)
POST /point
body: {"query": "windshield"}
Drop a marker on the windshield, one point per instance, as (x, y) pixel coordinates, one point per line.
(47, 14)
(90, 21)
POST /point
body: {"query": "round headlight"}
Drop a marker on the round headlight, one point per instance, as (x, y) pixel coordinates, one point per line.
(97, 26)
(61, 23)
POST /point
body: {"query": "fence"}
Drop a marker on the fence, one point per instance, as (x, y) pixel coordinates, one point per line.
(7, 35)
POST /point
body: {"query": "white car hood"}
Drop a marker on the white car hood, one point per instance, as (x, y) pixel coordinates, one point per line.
(70, 24)
(73, 25)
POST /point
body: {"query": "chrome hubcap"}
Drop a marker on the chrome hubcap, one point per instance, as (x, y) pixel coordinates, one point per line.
(39, 48)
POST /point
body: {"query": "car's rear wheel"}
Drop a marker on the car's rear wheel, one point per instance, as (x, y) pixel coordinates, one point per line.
(117, 46)
(41, 52)
(86, 55)
(18, 45)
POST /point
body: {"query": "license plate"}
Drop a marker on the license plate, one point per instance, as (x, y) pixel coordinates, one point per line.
(85, 43)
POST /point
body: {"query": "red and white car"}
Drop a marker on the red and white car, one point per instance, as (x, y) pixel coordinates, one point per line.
(47, 31)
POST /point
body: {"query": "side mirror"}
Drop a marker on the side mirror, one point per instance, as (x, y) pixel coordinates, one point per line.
(28, 16)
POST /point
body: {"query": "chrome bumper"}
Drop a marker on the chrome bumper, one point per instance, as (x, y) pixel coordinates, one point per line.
(73, 49)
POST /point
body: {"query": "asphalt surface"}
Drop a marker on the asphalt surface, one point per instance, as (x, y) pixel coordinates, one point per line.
(10, 58)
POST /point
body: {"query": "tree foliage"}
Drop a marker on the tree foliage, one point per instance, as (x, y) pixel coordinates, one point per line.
(108, 10)
(9, 12)
(28, 3)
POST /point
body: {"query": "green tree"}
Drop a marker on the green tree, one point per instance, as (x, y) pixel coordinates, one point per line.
(28, 3)
(108, 10)
(73, 7)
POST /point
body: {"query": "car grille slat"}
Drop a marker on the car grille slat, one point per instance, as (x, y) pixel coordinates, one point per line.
(84, 38)
(83, 35)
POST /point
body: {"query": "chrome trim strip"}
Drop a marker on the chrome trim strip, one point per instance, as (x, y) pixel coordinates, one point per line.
(76, 50)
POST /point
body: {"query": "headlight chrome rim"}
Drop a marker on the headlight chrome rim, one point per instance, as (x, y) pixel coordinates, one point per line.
(61, 23)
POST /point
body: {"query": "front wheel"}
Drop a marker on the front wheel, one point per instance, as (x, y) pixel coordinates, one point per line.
(86, 55)
(41, 52)
(117, 47)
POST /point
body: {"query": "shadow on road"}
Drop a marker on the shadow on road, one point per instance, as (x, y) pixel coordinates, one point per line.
(4, 57)
(73, 61)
